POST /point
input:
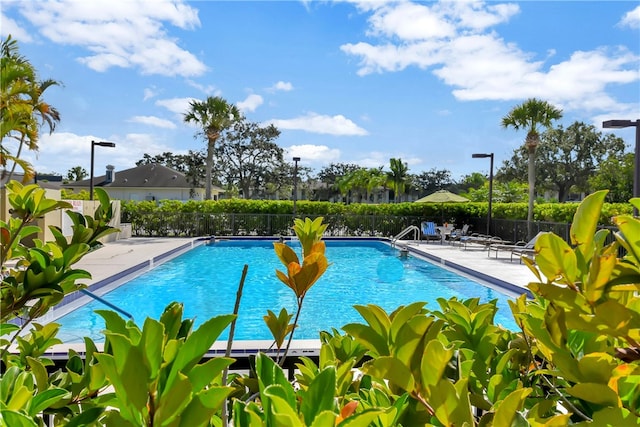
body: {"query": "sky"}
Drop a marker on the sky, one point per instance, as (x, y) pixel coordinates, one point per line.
(344, 81)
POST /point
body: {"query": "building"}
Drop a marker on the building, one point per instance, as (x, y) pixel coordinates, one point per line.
(145, 182)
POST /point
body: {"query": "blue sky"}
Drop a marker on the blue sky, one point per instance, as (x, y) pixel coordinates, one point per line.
(355, 82)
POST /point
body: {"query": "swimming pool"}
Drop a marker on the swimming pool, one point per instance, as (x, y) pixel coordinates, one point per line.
(206, 278)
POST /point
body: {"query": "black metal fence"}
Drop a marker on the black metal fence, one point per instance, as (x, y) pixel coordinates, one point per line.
(239, 224)
(195, 224)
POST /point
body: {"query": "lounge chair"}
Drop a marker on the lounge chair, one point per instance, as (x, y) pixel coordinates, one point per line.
(483, 240)
(524, 247)
(429, 231)
(456, 234)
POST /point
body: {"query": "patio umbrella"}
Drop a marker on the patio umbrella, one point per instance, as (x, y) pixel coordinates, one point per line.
(442, 196)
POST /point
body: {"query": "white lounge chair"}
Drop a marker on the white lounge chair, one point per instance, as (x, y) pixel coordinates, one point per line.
(519, 247)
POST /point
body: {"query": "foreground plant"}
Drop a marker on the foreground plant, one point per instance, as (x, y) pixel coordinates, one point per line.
(299, 276)
(583, 329)
(37, 275)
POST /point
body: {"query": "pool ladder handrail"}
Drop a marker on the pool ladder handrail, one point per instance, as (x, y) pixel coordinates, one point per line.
(107, 303)
(416, 234)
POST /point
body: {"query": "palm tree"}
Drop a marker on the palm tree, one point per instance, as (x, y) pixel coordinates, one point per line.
(214, 115)
(398, 177)
(531, 115)
(21, 104)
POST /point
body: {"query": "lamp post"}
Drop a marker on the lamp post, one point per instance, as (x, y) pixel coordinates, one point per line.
(93, 145)
(619, 124)
(484, 156)
(295, 183)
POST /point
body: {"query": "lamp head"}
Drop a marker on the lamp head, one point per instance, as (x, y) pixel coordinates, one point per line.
(104, 143)
(618, 124)
(296, 159)
(481, 155)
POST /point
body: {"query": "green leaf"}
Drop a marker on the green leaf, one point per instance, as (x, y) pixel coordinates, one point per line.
(15, 419)
(46, 399)
(197, 344)
(585, 222)
(554, 320)
(507, 410)
(365, 335)
(365, 418)
(594, 393)
(173, 401)
(280, 413)
(325, 418)
(86, 418)
(376, 317)
(318, 397)
(269, 373)
(402, 316)
(150, 346)
(202, 375)
(434, 362)
(8, 328)
(409, 341)
(392, 369)
(556, 259)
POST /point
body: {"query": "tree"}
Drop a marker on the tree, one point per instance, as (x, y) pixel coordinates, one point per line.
(248, 157)
(22, 110)
(433, 180)
(76, 173)
(214, 115)
(615, 174)
(566, 159)
(398, 177)
(531, 115)
(330, 175)
(192, 165)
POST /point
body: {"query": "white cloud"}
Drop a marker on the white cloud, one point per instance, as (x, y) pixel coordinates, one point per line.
(127, 34)
(314, 153)
(9, 26)
(454, 40)
(153, 121)
(284, 86)
(316, 123)
(281, 86)
(176, 105)
(252, 102)
(631, 19)
(206, 89)
(149, 93)
(62, 151)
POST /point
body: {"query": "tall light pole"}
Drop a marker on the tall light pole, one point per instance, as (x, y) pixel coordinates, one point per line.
(93, 145)
(484, 156)
(295, 183)
(619, 124)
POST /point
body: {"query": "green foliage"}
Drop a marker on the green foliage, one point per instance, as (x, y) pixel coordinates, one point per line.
(584, 326)
(576, 360)
(42, 273)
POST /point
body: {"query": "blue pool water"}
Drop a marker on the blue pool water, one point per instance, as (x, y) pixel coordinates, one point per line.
(206, 279)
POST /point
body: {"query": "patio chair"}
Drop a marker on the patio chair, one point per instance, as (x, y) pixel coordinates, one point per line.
(429, 231)
(457, 234)
(483, 240)
(518, 246)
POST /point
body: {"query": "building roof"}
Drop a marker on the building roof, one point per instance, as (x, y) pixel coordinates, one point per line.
(47, 181)
(144, 176)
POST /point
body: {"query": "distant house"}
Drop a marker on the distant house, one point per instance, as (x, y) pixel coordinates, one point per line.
(146, 182)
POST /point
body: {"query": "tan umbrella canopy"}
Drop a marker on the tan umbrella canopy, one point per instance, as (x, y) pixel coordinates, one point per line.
(442, 196)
